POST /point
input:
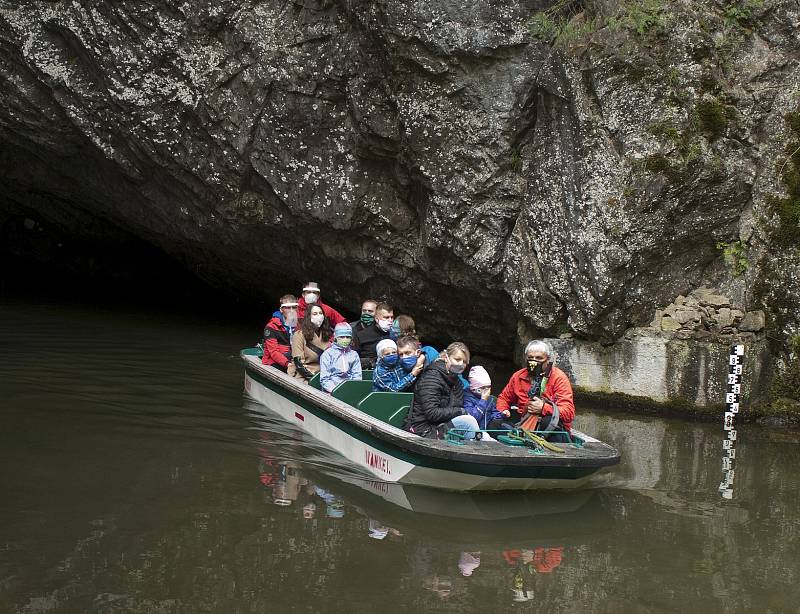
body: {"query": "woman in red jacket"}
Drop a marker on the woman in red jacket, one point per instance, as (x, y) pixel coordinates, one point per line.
(536, 389)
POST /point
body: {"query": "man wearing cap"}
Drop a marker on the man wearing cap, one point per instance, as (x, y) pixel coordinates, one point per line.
(339, 362)
(311, 296)
(278, 334)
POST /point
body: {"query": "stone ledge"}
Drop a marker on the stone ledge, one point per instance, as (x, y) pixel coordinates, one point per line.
(664, 371)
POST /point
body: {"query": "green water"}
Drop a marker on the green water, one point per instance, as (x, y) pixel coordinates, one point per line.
(136, 478)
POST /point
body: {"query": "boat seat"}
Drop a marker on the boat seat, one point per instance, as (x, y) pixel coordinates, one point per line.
(391, 407)
(314, 382)
(352, 391)
(399, 417)
(366, 374)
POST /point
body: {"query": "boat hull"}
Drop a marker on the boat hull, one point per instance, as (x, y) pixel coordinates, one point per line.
(365, 448)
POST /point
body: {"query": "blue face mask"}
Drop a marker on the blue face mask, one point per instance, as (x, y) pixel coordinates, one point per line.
(390, 360)
(394, 334)
(408, 362)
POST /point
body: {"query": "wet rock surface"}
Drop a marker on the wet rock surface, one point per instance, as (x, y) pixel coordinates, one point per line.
(486, 176)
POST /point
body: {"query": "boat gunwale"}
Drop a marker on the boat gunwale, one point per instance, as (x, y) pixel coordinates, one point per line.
(414, 444)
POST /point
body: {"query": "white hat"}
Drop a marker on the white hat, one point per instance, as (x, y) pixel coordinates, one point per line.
(383, 344)
(311, 286)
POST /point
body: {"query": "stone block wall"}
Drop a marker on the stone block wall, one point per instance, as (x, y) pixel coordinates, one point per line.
(680, 360)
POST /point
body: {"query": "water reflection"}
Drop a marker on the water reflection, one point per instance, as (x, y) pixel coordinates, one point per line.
(133, 481)
(511, 542)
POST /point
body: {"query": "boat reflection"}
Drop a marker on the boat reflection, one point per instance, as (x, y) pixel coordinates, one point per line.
(511, 543)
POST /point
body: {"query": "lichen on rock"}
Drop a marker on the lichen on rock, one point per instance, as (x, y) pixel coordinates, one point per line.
(450, 158)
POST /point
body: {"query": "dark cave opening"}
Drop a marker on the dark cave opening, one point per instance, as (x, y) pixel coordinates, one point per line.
(45, 261)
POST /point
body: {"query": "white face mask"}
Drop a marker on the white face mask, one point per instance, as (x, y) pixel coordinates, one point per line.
(456, 367)
(317, 319)
(384, 325)
(290, 319)
(311, 298)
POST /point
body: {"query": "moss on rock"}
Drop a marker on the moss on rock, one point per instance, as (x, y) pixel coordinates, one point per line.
(787, 209)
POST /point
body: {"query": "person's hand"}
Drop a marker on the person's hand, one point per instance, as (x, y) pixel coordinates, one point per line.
(534, 406)
(506, 413)
(419, 366)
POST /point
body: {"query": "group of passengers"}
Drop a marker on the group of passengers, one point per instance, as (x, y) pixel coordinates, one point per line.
(306, 337)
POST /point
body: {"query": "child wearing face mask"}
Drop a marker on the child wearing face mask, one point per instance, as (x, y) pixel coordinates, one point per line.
(478, 402)
(438, 403)
(339, 362)
(393, 372)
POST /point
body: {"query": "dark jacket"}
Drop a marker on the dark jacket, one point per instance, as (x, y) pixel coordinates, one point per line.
(277, 343)
(364, 342)
(438, 397)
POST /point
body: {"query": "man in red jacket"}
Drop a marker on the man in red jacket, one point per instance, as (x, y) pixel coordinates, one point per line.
(550, 387)
(311, 296)
(278, 334)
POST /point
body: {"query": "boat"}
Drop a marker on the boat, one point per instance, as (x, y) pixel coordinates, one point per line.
(365, 428)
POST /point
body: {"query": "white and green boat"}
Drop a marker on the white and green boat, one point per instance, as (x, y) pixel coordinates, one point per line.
(365, 427)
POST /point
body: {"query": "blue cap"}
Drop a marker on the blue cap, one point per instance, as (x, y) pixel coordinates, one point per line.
(343, 329)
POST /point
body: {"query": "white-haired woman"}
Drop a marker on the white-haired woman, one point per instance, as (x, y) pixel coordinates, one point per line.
(537, 389)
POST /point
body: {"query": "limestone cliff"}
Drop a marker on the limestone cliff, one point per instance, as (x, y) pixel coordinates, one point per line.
(564, 166)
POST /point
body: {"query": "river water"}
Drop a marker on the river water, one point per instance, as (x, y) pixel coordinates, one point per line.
(135, 477)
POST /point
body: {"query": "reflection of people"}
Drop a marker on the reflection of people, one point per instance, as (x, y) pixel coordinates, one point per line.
(377, 530)
(334, 506)
(468, 562)
(441, 587)
(288, 484)
(528, 563)
(542, 560)
(536, 388)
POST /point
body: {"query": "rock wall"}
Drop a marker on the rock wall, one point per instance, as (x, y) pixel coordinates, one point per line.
(490, 167)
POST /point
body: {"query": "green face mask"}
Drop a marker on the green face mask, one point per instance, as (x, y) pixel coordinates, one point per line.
(343, 342)
(367, 319)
